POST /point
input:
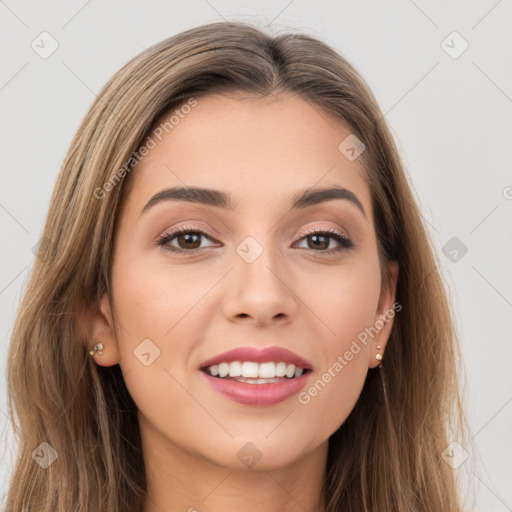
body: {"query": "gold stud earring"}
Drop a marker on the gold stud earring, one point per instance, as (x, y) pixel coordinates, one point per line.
(97, 348)
(379, 356)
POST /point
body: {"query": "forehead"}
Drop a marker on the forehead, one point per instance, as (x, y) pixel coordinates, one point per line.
(258, 149)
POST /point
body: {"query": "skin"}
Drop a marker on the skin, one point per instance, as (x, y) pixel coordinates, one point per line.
(262, 152)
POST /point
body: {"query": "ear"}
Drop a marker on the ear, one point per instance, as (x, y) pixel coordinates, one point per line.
(385, 315)
(102, 326)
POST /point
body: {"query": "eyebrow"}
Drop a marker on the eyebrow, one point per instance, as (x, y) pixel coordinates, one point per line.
(220, 199)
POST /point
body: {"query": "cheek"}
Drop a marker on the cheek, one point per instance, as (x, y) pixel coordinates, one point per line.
(152, 299)
(345, 303)
(332, 394)
(336, 385)
(157, 310)
(343, 299)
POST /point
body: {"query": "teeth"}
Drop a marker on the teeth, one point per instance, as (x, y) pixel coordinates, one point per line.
(280, 369)
(256, 381)
(250, 369)
(247, 370)
(267, 371)
(223, 369)
(235, 369)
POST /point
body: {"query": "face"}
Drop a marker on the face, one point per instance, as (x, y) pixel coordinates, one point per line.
(254, 275)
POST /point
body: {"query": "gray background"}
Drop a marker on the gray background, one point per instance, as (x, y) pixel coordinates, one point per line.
(450, 116)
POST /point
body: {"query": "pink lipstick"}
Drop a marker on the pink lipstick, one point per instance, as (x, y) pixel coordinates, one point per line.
(258, 377)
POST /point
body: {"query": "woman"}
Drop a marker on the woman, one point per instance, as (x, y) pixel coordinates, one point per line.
(235, 304)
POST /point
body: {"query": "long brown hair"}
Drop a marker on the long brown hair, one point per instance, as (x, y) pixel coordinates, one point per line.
(386, 457)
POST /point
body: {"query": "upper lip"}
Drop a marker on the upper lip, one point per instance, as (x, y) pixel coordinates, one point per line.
(258, 355)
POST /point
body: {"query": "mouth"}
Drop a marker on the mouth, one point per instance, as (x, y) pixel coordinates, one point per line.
(252, 372)
(254, 376)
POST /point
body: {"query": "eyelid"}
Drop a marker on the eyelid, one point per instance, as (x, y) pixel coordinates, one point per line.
(329, 229)
(184, 228)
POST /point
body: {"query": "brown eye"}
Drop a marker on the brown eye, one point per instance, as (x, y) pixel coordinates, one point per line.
(320, 241)
(189, 241)
(186, 240)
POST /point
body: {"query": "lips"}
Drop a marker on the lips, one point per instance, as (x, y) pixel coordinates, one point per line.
(257, 392)
(268, 354)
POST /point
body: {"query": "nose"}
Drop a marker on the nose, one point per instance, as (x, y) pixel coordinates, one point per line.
(260, 292)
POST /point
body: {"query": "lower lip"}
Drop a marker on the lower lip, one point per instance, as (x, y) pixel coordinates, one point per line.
(257, 394)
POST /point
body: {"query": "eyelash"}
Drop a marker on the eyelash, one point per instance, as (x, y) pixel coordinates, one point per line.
(333, 233)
